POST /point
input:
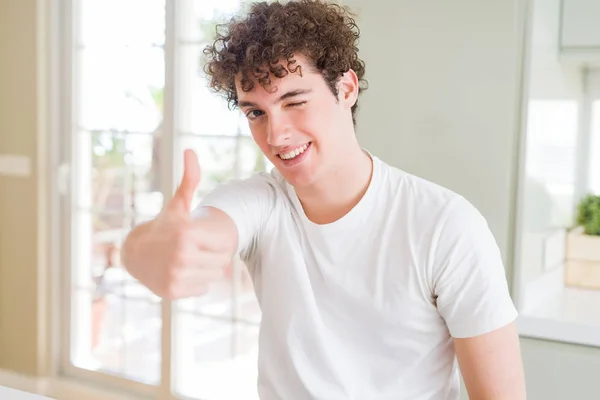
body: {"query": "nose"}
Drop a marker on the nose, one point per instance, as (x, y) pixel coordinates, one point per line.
(279, 131)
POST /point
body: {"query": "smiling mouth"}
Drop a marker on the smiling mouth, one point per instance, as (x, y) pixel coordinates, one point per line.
(290, 155)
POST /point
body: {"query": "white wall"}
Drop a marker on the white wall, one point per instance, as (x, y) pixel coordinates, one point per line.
(443, 101)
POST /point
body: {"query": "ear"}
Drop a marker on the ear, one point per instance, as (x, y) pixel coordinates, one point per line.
(348, 88)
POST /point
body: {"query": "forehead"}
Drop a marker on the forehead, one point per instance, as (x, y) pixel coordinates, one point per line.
(306, 76)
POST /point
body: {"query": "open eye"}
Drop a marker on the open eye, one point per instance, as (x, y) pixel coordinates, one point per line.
(253, 114)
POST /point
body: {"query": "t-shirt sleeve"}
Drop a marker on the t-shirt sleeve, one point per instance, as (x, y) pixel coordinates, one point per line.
(470, 284)
(247, 202)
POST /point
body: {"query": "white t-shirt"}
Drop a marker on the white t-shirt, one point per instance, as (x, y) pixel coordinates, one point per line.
(366, 307)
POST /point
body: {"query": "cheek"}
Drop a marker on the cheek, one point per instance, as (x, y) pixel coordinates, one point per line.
(317, 116)
(321, 122)
(260, 138)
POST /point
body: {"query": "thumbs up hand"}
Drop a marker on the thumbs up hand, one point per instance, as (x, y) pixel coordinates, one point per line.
(181, 201)
(176, 256)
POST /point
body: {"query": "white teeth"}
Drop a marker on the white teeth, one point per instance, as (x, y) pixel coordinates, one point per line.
(294, 153)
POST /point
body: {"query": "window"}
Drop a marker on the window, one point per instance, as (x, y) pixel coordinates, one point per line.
(556, 286)
(595, 146)
(559, 167)
(136, 97)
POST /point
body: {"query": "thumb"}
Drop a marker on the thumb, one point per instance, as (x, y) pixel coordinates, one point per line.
(189, 182)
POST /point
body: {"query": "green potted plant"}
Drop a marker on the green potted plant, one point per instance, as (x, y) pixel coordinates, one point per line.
(583, 246)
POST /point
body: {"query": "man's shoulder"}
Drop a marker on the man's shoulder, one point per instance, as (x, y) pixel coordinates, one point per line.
(260, 189)
(259, 180)
(427, 205)
(416, 190)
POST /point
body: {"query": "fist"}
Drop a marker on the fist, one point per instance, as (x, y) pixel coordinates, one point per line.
(177, 256)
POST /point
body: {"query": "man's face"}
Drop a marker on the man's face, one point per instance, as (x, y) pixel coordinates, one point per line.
(300, 125)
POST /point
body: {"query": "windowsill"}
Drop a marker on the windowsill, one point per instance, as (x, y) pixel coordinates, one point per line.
(570, 315)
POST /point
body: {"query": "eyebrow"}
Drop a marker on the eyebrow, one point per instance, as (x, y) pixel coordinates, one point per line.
(285, 96)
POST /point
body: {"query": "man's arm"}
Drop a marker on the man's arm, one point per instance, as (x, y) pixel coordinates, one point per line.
(472, 296)
(176, 255)
(491, 365)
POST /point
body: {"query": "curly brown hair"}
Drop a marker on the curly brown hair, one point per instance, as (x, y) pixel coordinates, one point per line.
(254, 45)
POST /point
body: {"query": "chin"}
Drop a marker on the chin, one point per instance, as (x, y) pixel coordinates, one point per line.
(300, 178)
(301, 173)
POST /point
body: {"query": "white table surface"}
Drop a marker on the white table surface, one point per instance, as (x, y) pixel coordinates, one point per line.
(12, 394)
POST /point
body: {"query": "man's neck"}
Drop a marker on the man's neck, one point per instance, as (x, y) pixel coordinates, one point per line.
(342, 189)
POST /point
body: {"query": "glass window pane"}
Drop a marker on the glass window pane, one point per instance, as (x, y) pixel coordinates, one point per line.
(251, 159)
(96, 255)
(217, 158)
(202, 111)
(549, 180)
(110, 23)
(118, 97)
(116, 335)
(93, 317)
(550, 167)
(233, 298)
(118, 173)
(141, 339)
(115, 321)
(222, 159)
(215, 359)
(95, 248)
(118, 85)
(199, 23)
(595, 149)
(120, 88)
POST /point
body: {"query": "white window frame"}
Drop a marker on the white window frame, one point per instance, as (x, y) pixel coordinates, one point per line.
(69, 81)
(64, 178)
(573, 332)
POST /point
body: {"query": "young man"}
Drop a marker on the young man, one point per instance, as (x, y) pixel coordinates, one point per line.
(371, 281)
